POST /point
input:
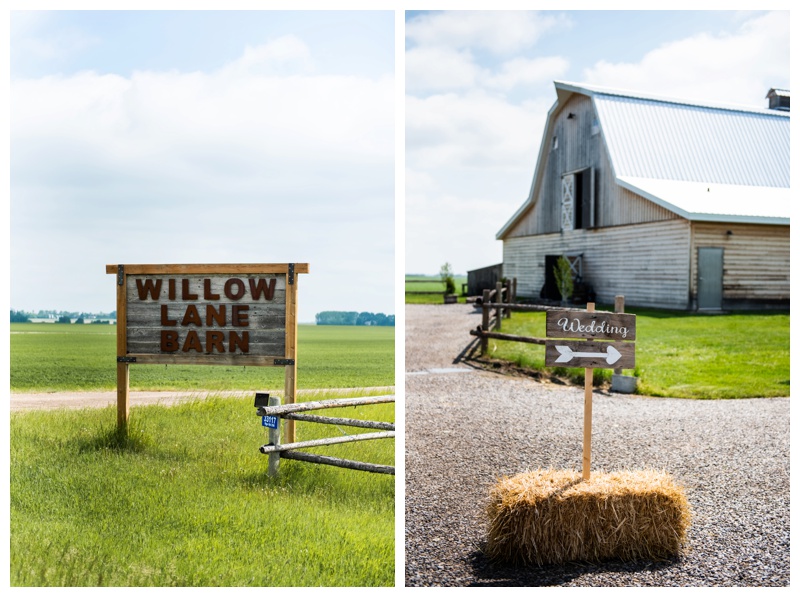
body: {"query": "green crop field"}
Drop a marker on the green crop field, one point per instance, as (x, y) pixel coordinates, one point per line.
(682, 355)
(185, 500)
(54, 357)
(429, 289)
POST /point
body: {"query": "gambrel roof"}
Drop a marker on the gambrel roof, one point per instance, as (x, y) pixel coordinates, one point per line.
(701, 161)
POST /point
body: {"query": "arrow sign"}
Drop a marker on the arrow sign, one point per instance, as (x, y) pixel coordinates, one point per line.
(611, 355)
(589, 355)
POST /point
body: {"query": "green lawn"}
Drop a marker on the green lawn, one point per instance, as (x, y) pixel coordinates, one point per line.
(683, 355)
(185, 501)
(433, 288)
(53, 357)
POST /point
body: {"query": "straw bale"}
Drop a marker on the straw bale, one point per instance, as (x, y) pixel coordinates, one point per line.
(553, 516)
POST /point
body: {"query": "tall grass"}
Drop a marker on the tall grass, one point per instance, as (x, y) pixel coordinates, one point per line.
(184, 500)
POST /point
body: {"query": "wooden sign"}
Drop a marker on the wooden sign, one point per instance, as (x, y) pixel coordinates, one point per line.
(590, 355)
(206, 314)
(596, 324)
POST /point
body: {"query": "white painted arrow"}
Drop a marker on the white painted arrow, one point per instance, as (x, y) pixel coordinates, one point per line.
(611, 355)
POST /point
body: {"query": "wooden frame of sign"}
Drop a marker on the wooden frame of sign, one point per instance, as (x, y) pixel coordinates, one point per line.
(206, 314)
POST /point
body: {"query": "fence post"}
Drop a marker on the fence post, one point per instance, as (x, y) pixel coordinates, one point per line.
(485, 322)
(499, 298)
(619, 307)
(514, 291)
(508, 298)
(274, 439)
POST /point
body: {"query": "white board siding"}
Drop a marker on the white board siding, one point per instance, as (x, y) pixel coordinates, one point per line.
(755, 260)
(647, 263)
(579, 149)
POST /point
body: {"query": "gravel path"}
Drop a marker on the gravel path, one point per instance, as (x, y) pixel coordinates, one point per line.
(465, 428)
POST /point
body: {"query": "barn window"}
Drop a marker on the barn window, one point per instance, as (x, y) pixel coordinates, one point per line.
(555, 141)
(578, 200)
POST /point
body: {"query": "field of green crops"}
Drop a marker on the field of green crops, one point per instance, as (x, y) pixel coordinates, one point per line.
(53, 357)
(184, 499)
(429, 289)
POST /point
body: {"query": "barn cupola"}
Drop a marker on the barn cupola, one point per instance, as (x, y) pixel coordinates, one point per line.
(778, 99)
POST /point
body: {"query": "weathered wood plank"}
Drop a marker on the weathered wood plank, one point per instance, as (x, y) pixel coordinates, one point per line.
(347, 422)
(328, 441)
(211, 268)
(573, 354)
(322, 404)
(597, 325)
(230, 360)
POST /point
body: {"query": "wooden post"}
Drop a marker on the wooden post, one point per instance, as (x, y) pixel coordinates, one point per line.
(274, 439)
(123, 374)
(587, 415)
(619, 307)
(514, 291)
(290, 377)
(507, 286)
(498, 316)
(485, 322)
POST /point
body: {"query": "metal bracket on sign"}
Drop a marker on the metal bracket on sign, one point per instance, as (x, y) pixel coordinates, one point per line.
(283, 362)
(291, 273)
(120, 275)
(126, 359)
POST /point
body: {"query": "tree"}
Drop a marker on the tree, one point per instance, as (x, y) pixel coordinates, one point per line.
(446, 274)
(19, 317)
(64, 319)
(563, 273)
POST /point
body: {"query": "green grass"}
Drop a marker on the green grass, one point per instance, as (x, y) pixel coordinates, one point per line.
(56, 357)
(185, 500)
(682, 355)
(417, 283)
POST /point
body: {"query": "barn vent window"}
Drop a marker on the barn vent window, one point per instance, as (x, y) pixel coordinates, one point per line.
(555, 141)
(578, 205)
(595, 127)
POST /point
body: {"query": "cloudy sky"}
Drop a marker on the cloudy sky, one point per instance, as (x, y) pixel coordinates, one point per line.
(479, 85)
(202, 137)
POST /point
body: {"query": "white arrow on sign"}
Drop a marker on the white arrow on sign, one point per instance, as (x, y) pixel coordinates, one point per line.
(611, 355)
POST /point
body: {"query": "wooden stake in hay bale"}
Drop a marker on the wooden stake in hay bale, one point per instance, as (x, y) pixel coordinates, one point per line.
(549, 517)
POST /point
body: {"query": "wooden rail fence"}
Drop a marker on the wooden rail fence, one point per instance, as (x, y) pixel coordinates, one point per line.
(293, 412)
(504, 309)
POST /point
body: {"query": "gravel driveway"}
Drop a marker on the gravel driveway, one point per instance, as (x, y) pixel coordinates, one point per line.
(466, 427)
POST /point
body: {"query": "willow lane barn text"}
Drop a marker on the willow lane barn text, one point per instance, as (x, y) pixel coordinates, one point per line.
(206, 315)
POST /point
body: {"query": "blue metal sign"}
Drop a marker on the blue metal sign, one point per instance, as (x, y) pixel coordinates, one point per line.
(268, 421)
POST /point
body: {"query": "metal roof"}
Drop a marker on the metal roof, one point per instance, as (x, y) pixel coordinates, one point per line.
(670, 141)
(656, 141)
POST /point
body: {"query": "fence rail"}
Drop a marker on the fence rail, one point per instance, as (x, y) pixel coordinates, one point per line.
(276, 450)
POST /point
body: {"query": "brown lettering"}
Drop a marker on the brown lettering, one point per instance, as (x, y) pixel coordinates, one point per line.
(171, 289)
(239, 293)
(145, 287)
(239, 315)
(215, 340)
(165, 320)
(185, 294)
(243, 342)
(169, 341)
(191, 316)
(192, 342)
(257, 288)
(207, 291)
(217, 315)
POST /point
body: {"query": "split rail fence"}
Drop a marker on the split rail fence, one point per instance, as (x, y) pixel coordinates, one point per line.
(294, 412)
(488, 303)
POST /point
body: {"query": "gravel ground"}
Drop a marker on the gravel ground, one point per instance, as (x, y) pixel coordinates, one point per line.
(466, 427)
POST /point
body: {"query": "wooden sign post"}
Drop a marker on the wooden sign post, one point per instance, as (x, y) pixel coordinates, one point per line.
(207, 314)
(617, 327)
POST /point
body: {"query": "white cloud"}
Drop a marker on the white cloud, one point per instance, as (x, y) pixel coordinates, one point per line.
(726, 68)
(259, 161)
(527, 71)
(500, 32)
(432, 69)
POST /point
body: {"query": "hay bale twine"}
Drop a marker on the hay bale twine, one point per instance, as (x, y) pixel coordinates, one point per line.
(553, 516)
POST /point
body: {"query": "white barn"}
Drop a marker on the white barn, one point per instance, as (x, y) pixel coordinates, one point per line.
(674, 204)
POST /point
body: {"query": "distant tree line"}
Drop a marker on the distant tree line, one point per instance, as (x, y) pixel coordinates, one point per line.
(353, 318)
(61, 316)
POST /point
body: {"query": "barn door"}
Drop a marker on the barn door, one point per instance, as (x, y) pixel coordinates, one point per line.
(568, 202)
(709, 278)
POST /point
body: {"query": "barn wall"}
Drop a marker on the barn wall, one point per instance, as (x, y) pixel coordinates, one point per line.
(647, 263)
(755, 262)
(577, 149)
